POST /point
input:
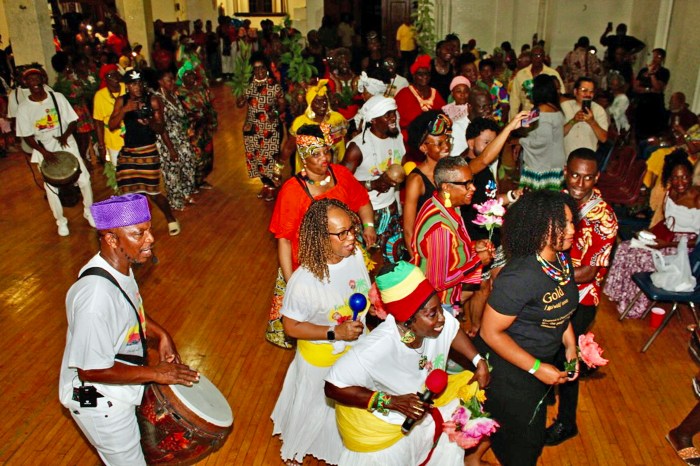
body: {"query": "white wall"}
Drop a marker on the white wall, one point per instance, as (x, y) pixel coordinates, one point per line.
(683, 57)
(165, 10)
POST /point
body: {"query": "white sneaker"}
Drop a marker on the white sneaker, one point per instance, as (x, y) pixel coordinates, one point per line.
(88, 216)
(63, 229)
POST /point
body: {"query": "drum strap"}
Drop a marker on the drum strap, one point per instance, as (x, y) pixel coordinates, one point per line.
(58, 112)
(138, 360)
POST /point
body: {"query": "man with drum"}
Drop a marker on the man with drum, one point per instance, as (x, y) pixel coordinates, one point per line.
(47, 121)
(104, 363)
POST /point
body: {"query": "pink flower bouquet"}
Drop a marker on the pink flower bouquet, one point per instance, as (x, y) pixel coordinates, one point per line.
(490, 215)
(590, 352)
(469, 423)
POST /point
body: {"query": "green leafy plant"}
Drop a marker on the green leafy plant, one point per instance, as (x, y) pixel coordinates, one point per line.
(242, 69)
(425, 26)
(300, 69)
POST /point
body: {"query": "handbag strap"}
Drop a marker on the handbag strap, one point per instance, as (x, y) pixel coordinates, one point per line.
(100, 272)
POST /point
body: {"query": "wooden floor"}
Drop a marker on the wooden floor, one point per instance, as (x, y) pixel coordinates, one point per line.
(212, 290)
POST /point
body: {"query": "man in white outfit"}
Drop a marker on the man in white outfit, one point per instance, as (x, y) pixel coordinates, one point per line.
(47, 121)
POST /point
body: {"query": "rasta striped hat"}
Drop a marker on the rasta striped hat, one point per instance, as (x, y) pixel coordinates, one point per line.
(403, 289)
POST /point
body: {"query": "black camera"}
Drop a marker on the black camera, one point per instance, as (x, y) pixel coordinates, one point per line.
(146, 111)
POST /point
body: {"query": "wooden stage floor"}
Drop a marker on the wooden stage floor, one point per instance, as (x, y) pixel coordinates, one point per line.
(212, 291)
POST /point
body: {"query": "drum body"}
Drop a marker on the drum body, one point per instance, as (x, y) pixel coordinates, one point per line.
(65, 171)
(182, 425)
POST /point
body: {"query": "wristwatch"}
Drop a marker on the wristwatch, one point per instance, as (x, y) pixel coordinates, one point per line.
(330, 334)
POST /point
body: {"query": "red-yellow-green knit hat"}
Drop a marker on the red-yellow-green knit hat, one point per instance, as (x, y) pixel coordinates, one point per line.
(404, 290)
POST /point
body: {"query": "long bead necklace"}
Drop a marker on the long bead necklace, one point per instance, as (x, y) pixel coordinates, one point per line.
(560, 276)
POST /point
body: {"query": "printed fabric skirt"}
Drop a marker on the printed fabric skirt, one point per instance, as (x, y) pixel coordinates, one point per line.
(138, 170)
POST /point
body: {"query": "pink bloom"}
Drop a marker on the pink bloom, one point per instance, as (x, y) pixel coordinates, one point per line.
(481, 220)
(590, 351)
(480, 426)
(376, 301)
(461, 416)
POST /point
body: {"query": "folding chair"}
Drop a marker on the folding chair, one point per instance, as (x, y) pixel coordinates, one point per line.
(646, 286)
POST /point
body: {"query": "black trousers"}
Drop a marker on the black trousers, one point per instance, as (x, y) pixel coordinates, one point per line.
(581, 320)
(512, 397)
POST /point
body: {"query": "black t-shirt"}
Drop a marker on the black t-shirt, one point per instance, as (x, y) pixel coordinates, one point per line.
(542, 307)
(441, 82)
(486, 189)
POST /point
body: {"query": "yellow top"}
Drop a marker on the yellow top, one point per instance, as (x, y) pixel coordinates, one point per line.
(103, 107)
(406, 37)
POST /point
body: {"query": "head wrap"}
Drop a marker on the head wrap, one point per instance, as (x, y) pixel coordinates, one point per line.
(457, 80)
(104, 71)
(423, 61)
(186, 66)
(124, 62)
(131, 76)
(306, 143)
(371, 85)
(319, 89)
(32, 70)
(120, 211)
(375, 107)
(404, 290)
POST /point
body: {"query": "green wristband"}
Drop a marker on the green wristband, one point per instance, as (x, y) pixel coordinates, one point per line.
(535, 366)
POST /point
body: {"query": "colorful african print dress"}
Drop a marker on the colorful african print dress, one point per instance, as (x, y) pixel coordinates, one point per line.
(261, 130)
(203, 124)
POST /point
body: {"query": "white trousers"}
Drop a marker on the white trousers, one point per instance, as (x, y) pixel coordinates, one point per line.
(85, 188)
(112, 429)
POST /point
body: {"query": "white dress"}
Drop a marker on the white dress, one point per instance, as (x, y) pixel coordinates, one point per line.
(303, 416)
(381, 362)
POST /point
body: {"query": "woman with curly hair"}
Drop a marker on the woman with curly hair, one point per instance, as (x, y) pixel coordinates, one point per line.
(317, 313)
(526, 321)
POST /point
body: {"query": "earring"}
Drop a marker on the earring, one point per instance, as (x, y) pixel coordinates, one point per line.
(311, 114)
(303, 171)
(448, 203)
(408, 337)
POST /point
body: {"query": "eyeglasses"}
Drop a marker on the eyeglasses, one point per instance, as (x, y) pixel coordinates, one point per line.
(343, 235)
(466, 184)
(585, 89)
(444, 142)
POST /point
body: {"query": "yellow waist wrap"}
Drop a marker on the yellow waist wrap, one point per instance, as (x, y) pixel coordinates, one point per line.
(364, 432)
(319, 355)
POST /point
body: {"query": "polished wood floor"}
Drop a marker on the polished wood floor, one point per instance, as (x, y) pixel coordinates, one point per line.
(211, 290)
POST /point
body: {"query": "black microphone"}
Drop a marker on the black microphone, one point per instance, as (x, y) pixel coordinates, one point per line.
(435, 383)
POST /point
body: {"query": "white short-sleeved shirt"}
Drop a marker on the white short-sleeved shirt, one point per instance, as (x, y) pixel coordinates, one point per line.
(377, 155)
(381, 362)
(40, 119)
(581, 134)
(101, 324)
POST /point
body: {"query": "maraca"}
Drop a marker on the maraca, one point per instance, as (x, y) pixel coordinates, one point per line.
(358, 303)
(395, 173)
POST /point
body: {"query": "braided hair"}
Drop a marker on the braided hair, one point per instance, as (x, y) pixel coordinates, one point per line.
(537, 219)
(314, 239)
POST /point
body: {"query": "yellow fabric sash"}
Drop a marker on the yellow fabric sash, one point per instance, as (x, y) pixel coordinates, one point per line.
(364, 432)
(319, 355)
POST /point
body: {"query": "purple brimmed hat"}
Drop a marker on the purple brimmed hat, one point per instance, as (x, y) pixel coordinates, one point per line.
(121, 211)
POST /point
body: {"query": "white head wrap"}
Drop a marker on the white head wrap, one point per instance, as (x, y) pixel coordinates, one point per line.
(375, 107)
(371, 85)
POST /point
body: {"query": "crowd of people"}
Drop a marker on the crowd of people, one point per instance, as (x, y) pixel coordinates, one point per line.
(449, 124)
(400, 192)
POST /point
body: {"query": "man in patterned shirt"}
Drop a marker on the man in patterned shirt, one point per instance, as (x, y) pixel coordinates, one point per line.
(596, 230)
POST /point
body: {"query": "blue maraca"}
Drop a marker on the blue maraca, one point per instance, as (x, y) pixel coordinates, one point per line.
(358, 303)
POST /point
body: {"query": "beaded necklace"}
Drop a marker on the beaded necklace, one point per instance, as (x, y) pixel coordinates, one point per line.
(560, 276)
(323, 182)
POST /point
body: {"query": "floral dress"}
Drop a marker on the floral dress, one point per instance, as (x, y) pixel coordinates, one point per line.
(261, 131)
(179, 176)
(203, 124)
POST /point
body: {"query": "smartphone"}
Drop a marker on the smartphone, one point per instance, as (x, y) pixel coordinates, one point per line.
(532, 117)
(610, 25)
(586, 104)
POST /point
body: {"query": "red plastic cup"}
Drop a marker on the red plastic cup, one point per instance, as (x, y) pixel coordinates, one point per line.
(657, 316)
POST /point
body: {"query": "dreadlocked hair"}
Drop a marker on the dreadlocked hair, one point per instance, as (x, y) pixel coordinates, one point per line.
(537, 219)
(314, 239)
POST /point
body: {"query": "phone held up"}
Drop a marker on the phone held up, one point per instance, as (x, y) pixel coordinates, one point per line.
(586, 104)
(532, 117)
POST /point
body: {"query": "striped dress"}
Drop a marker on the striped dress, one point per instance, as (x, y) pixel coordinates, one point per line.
(138, 169)
(444, 251)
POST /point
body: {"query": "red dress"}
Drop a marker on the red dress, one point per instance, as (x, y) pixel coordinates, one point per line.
(293, 202)
(409, 107)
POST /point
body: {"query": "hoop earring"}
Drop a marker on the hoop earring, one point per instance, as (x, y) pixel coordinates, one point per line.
(448, 203)
(408, 337)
